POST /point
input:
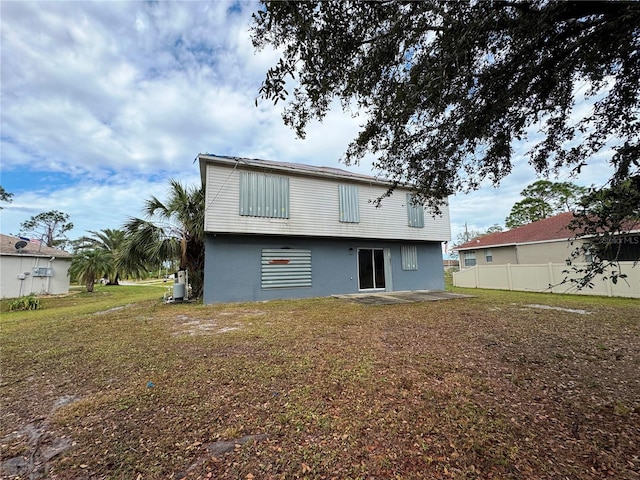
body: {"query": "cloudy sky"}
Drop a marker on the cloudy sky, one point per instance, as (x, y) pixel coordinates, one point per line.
(103, 102)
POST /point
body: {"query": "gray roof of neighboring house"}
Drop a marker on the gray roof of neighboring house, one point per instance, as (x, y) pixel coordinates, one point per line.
(7, 247)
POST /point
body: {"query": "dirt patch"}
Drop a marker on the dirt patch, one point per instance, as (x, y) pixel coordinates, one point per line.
(111, 310)
(560, 309)
(216, 449)
(223, 322)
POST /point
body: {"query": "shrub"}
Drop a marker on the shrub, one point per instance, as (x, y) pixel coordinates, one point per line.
(29, 302)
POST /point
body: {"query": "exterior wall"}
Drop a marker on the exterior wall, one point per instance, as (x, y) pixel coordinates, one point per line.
(555, 252)
(546, 278)
(314, 209)
(13, 265)
(501, 255)
(528, 253)
(233, 267)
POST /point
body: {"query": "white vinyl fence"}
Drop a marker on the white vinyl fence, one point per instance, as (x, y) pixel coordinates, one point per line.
(546, 278)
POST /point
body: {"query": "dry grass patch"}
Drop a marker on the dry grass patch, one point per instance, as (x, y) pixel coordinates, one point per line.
(476, 388)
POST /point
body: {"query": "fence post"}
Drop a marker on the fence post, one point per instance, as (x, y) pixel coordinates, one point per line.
(552, 282)
(509, 279)
(477, 275)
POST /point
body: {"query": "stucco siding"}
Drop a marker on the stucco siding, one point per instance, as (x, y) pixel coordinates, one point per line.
(502, 255)
(233, 266)
(555, 252)
(13, 265)
(499, 255)
(533, 253)
(314, 210)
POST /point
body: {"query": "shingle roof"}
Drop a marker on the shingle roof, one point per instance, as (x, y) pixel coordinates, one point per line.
(552, 228)
(7, 247)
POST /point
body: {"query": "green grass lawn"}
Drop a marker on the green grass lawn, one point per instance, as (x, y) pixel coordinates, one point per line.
(127, 387)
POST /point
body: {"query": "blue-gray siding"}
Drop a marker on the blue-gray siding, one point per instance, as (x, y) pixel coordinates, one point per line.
(233, 266)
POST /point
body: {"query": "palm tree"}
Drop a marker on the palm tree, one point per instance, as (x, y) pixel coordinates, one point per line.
(171, 231)
(112, 241)
(88, 266)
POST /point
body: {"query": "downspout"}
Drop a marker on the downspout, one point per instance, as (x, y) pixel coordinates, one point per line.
(19, 278)
(49, 276)
(32, 275)
(517, 259)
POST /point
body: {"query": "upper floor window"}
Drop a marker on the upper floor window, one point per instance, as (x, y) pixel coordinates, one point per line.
(263, 195)
(488, 256)
(349, 206)
(415, 212)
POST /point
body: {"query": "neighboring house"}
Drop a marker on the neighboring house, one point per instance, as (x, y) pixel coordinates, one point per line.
(545, 241)
(27, 267)
(288, 230)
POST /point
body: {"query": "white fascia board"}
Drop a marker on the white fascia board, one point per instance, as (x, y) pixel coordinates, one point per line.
(290, 169)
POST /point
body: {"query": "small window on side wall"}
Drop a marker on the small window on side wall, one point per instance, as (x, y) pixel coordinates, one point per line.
(588, 256)
(469, 259)
(488, 256)
(42, 272)
(409, 254)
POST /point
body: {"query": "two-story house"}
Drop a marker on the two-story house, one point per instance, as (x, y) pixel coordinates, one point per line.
(288, 230)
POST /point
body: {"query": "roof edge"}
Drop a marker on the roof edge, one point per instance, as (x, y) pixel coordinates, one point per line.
(290, 167)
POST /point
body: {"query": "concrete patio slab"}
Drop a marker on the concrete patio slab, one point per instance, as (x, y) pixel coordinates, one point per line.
(391, 298)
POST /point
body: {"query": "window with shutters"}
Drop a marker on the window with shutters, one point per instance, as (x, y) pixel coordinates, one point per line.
(263, 195)
(409, 255)
(415, 213)
(349, 207)
(286, 268)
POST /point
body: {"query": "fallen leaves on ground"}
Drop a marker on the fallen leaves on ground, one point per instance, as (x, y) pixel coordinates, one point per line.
(486, 387)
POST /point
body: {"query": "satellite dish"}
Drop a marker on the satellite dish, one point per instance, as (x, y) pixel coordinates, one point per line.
(20, 244)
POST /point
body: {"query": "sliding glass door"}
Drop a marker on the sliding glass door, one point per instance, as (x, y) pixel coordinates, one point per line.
(371, 269)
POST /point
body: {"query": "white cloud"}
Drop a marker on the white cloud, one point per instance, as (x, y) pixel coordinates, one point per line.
(121, 96)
